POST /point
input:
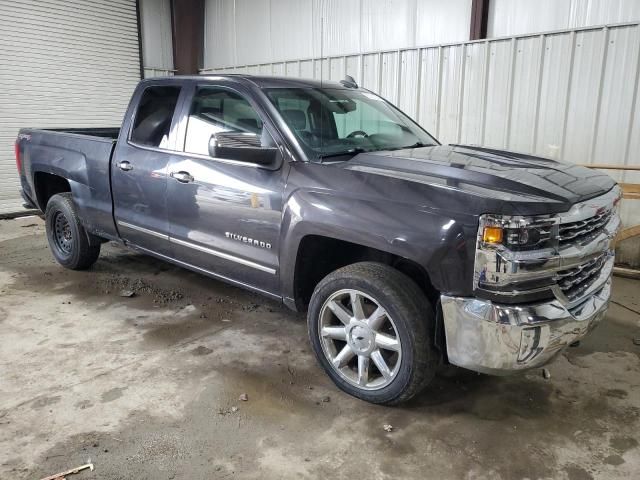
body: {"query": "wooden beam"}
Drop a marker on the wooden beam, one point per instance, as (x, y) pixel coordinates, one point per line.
(187, 19)
(626, 272)
(630, 190)
(628, 233)
(604, 166)
(479, 17)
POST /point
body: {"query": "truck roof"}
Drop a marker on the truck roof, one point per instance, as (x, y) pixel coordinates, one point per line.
(261, 81)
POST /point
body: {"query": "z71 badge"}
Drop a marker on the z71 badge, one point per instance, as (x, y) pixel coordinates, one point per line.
(249, 240)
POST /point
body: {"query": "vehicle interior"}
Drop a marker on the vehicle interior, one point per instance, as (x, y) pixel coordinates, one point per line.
(336, 121)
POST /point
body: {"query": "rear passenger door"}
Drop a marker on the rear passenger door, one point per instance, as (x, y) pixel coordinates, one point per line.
(225, 213)
(139, 168)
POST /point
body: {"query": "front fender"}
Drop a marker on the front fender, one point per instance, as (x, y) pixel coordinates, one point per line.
(443, 245)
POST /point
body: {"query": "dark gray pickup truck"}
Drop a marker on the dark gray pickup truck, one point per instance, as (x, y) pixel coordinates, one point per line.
(406, 253)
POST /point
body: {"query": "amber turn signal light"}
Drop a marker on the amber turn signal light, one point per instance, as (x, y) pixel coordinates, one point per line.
(492, 235)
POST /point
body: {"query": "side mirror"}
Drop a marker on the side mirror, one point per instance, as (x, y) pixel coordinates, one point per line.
(242, 147)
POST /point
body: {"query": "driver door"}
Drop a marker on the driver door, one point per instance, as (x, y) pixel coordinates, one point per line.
(225, 213)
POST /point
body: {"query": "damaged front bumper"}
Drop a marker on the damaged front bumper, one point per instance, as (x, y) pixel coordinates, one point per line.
(503, 339)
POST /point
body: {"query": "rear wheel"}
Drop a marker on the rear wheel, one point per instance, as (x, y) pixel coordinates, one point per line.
(370, 328)
(68, 240)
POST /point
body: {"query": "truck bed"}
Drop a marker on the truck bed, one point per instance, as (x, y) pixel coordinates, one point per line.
(110, 133)
(82, 156)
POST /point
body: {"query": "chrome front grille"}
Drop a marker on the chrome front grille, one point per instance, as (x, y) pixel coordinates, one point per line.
(574, 282)
(571, 261)
(582, 229)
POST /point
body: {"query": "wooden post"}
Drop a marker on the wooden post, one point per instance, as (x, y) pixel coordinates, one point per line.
(479, 16)
(187, 19)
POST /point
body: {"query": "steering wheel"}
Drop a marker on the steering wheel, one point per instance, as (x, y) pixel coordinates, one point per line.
(357, 133)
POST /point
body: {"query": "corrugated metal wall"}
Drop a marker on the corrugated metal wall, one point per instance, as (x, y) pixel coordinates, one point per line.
(515, 17)
(62, 64)
(570, 95)
(156, 32)
(241, 32)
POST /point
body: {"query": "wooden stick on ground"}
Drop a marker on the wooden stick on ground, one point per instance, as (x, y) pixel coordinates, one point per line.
(62, 475)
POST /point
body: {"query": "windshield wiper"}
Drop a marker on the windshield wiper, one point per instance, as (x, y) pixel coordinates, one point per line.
(353, 151)
(356, 150)
(415, 145)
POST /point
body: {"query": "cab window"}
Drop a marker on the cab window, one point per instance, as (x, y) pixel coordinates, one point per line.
(153, 118)
(223, 113)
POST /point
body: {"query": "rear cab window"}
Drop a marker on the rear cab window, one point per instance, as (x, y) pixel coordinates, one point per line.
(154, 115)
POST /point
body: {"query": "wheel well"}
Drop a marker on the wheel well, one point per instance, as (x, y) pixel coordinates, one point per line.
(47, 185)
(318, 256)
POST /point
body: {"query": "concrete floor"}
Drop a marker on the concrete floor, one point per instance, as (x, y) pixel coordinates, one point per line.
(147, 387)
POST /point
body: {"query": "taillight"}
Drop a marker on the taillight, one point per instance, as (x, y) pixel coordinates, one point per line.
(18, 159)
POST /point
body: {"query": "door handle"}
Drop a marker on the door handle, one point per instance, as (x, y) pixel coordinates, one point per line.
(182, 177)
(126, 166)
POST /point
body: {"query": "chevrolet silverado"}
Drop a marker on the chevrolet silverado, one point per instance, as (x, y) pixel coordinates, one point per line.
(406, 254)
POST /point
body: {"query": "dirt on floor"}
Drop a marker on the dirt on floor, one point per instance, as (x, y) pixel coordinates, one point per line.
(138, 366)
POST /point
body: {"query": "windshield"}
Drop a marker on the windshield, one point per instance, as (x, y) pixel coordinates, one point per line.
(332, 122)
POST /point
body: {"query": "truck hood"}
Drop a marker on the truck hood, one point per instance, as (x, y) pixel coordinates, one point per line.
(505, 182)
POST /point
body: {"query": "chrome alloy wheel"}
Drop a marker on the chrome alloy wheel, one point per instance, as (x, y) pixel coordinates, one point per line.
(359, 339)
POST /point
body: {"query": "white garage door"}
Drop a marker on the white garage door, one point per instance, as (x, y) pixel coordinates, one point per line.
(63, 63)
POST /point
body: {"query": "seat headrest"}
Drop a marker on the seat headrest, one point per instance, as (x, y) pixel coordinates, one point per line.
(154, 126)
(249, 123)
(296, 119)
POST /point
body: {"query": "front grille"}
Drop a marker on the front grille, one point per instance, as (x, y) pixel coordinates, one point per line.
(574, 282)
(576, 231)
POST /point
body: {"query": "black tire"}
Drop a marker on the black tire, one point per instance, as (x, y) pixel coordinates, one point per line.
(68, 240)
(413, 319)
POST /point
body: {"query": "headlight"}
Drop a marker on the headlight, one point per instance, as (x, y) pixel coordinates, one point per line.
(517, 233)
(522, 258)
(617, 202)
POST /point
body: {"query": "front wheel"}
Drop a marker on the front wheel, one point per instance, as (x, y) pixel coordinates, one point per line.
(371, 329)
(68, 240)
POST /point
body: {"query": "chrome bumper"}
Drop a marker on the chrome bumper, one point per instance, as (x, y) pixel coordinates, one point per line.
(503, 339)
